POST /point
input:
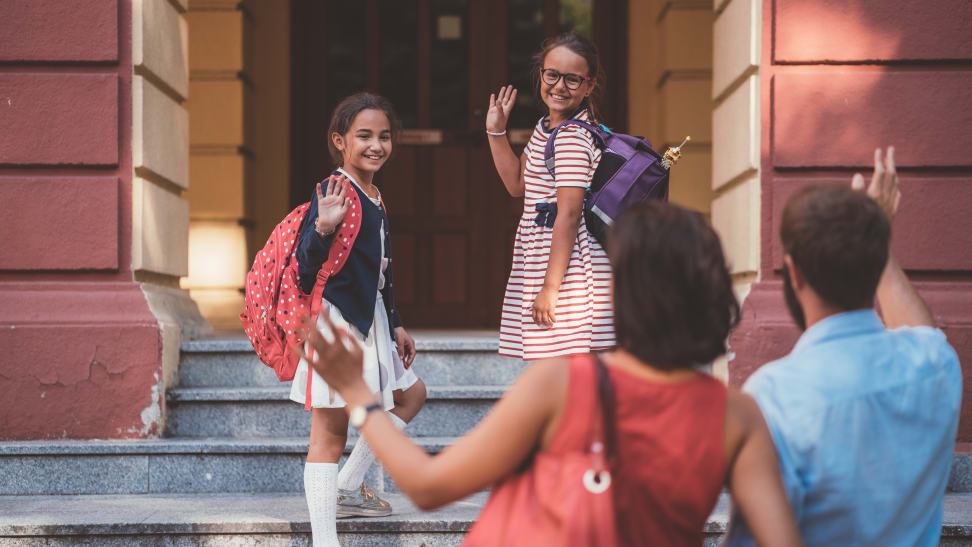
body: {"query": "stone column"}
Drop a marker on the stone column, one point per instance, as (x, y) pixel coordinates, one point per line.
(219, 158)
(91, 168)
(736, 141)
(835, 82)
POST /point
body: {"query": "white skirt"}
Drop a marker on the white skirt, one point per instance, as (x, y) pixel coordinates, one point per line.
(383, 369)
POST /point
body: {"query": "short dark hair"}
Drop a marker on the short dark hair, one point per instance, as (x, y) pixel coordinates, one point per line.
(348, 109)
(673, 300)
(583, 46)
(838, 238)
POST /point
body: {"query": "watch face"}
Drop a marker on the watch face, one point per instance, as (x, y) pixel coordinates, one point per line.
(358, 415)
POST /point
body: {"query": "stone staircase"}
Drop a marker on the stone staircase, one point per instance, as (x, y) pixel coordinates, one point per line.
(229, 468)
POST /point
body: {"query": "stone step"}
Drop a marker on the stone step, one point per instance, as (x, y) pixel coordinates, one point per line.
(165, 466)
(444, 358)
(268, 412)
(281, 520)
(268, 520)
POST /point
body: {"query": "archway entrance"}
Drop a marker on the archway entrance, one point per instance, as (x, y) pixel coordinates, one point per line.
(437, 60)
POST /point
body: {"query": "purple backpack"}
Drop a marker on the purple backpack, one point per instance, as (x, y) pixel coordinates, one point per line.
(630, 171)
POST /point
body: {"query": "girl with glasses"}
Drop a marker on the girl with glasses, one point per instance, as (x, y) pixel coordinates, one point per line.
(557, 300)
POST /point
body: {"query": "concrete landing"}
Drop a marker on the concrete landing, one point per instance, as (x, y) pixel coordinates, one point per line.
(281, 519)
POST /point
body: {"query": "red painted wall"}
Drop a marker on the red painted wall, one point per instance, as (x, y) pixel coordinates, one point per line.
(80, 352)
(838, 79)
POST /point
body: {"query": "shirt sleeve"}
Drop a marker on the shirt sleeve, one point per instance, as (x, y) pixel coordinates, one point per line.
(573, 157)
(312, 249)
(929, 346)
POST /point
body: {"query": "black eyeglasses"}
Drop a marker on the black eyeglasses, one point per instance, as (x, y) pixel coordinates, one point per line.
(572, 81)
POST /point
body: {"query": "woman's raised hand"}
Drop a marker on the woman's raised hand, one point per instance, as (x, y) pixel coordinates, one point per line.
(332, 204)
(500, 105)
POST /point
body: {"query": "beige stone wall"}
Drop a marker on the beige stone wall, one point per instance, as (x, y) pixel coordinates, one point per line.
(268, 120)
(239, 142)
(736, 135)
(669, 93)
(694, 71)
(160, 87)
(217, 249)
(161, 174)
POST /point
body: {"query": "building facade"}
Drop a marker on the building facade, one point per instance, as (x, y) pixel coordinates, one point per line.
(149, 147)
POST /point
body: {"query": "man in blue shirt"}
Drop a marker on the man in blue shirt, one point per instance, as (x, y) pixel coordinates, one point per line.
(863, 413)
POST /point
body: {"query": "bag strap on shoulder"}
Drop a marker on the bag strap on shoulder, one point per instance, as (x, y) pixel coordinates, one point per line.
(598, 133)
(606, 404)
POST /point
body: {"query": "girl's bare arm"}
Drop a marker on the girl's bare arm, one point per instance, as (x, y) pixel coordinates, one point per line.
(570, 208)
(754, 475)
(492, 450)
(509, 167)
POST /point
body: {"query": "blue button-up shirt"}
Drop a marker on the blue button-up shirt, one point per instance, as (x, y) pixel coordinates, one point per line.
(864, 422)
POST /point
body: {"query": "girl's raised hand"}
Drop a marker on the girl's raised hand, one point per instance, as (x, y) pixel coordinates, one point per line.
(500, 106)
(332, 204)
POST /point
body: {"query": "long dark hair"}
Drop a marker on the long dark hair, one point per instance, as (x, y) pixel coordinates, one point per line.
(583, 46)
(348, 109)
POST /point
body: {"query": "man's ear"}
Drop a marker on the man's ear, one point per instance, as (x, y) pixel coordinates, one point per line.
(796, 276)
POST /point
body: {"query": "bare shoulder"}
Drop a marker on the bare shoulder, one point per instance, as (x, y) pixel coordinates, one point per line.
(549, 372)
(743, 418)
(542, 387)
(742, 409)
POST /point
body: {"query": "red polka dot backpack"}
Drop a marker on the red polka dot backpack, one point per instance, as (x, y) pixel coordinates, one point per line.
(274, 305)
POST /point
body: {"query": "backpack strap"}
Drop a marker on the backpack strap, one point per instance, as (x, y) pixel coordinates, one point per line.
(596, 132)
(344, 237)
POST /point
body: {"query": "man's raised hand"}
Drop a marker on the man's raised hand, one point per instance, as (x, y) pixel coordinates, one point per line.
(883, 187)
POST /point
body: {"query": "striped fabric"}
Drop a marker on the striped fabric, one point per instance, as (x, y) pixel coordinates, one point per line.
(584, 315)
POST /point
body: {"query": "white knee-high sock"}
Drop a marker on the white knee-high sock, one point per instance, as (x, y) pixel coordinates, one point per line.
(353, 472)
(320, 489)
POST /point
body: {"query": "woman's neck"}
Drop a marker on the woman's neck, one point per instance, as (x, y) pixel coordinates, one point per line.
(626, 361)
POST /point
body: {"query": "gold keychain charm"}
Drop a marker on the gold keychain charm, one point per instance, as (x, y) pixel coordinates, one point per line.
(673, 154)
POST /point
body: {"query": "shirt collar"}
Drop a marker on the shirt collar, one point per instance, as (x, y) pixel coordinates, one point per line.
(345, 173)
(376, 201)
(838, 326)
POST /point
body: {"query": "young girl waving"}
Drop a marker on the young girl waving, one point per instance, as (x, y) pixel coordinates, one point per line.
(359, 299)
(558, 299)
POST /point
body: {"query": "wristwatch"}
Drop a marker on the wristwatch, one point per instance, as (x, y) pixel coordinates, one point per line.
(359, 414)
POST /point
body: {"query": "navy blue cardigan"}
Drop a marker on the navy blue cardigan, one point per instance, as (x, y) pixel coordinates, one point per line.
(354, 289)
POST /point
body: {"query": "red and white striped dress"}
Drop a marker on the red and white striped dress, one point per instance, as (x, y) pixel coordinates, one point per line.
(585, 319)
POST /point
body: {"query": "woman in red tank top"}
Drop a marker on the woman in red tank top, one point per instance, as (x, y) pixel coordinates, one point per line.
(681, 435)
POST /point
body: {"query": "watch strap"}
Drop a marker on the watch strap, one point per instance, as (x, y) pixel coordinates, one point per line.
(372, 407)
(368, 409)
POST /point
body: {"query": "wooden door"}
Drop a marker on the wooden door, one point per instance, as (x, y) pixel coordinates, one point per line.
(437, 60)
